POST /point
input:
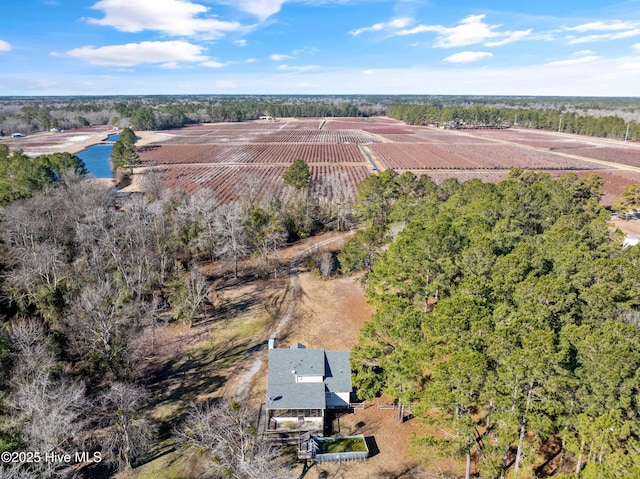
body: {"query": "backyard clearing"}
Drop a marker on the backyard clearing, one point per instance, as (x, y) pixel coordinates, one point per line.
(217, 357)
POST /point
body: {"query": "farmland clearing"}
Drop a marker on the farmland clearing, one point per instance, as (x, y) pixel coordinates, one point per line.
(219, 156)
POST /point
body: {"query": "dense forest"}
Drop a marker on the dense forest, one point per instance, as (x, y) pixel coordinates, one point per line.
(21, 175)
(506, 319)
(88, 279)
(603, 117)
(562, 120)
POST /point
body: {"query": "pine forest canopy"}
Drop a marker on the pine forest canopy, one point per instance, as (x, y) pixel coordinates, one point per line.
(507, 316)
(21, 175)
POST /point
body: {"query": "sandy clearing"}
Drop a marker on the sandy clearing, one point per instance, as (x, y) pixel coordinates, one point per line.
(628, 227)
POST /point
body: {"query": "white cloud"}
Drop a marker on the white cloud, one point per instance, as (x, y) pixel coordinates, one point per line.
(171, 66)
(467, 57)
(470, 30)
(605, 31)
(4, 46)
(602, 26)
(212, 64)
(583, 53)
(251, 60)
(136, 53)
(173, 17)
(279, 57)
(240, 43)
(262, 9)
(510, 37)
(633, 67)
(636, 46)
(605, 36)
(301, 68)
(394, 24)
(574, 61)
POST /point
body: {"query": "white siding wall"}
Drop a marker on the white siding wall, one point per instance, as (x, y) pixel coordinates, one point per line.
(337, 399)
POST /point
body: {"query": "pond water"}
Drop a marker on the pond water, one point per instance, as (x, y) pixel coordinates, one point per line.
(97, 159)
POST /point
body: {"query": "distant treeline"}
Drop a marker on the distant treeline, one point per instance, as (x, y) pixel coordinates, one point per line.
(603, 117)
(609, 126)
(28, 115)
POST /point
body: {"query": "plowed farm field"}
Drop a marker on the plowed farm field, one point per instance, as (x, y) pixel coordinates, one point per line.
(251, 153)
(219, 156)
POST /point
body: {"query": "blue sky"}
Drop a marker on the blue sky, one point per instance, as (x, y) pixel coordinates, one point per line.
(99, 47)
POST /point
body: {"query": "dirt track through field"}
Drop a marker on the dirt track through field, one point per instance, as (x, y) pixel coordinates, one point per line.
(291, 312)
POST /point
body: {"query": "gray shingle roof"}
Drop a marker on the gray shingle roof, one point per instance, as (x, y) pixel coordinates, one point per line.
(284, 393)
(337, 371)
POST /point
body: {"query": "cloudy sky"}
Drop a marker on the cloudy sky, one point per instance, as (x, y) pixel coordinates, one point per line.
(546, 47)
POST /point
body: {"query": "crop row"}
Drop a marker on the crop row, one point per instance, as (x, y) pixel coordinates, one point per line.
(300, 123)
(278, 136)
(253, 153)
(228, 182)
(461, 156)
(626, 156)
(361, 123)
(487, 177)
(450, 137)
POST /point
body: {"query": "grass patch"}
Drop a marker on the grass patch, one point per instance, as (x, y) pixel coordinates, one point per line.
(167, 467)
(253, 328)
(341, 444)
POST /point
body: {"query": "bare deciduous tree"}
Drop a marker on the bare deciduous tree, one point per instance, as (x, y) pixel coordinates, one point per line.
(47, 411)
(230, 227)
(248, 188)
(327, 264)
(337, 198)
(128, 434)
(190, 290)
(100, 325)
(195, 218)
(18, 471)
(32, 349)
(225, 434)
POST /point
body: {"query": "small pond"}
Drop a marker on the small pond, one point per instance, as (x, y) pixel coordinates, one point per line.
(97, 159)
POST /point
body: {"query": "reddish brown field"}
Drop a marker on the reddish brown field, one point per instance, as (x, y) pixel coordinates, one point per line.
(222, 156)
(266, 153)
(626, 156)
(228, 182)
(615, 181)
(271, 136)
(465, 156)
(218, 156)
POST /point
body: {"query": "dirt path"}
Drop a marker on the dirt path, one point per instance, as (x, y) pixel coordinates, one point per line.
(292, 311)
